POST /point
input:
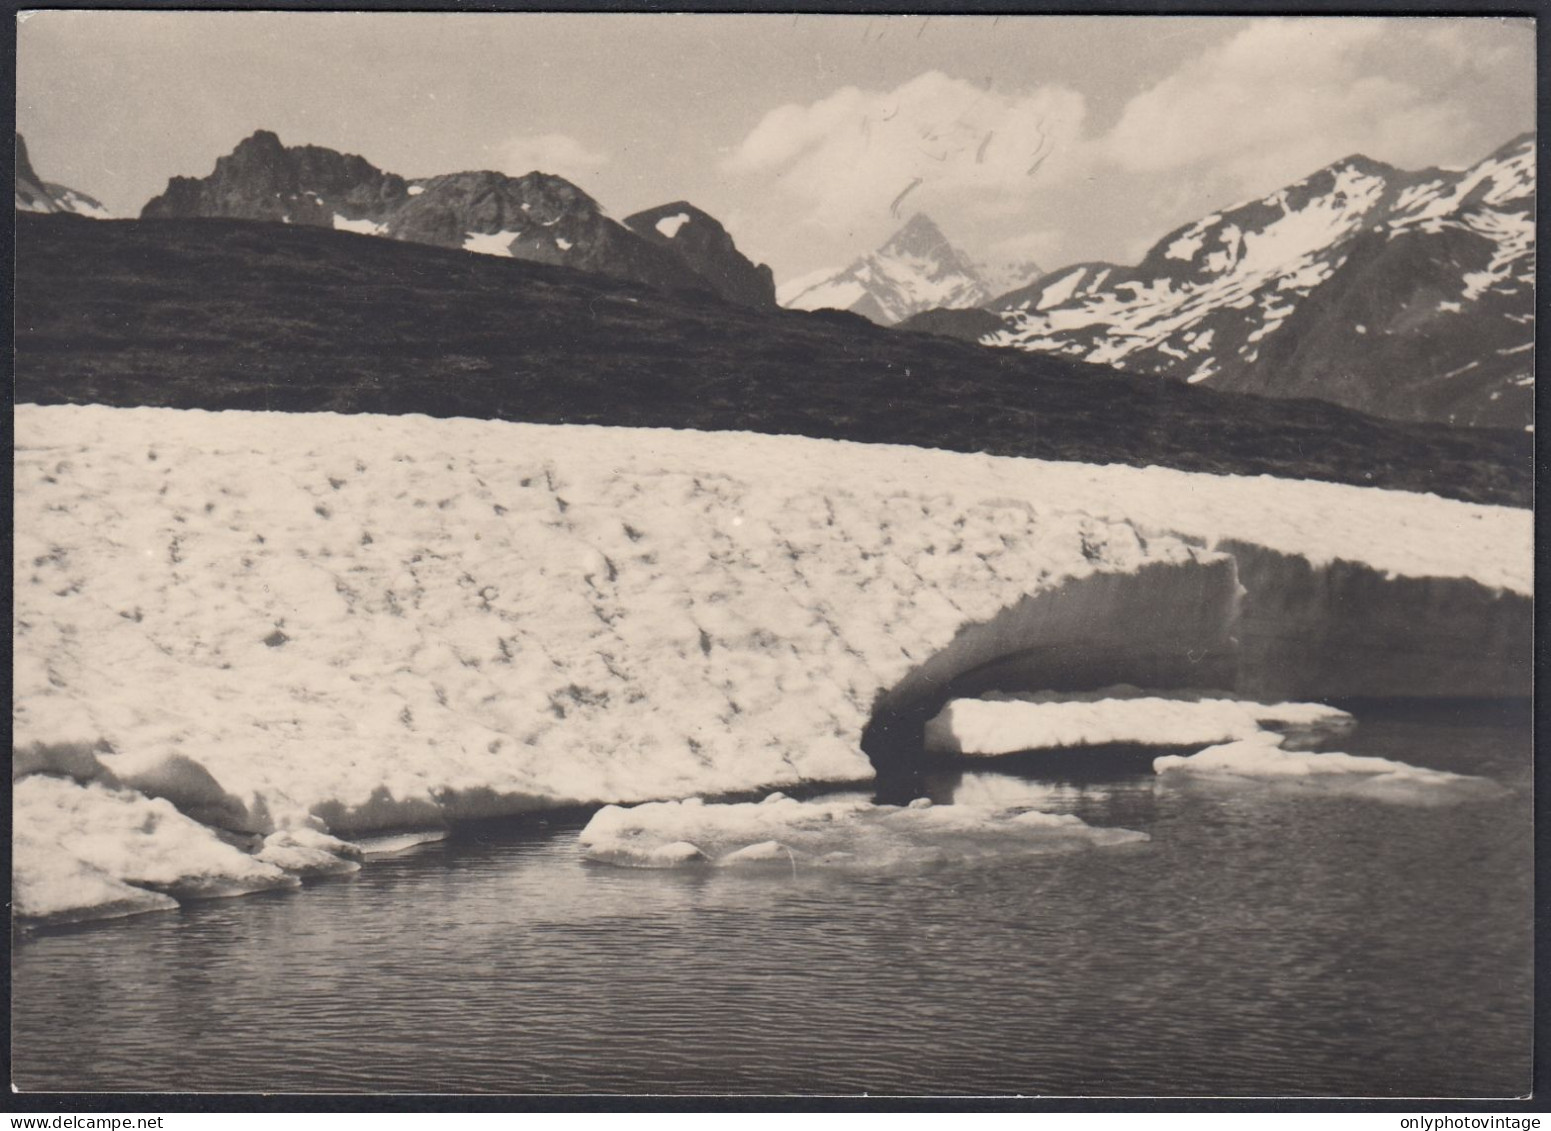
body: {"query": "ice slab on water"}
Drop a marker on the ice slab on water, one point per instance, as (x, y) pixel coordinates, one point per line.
(1262, 759)
(845, 831)
(1004, 724)
(390, 844)
(81, 846)
(308, 852)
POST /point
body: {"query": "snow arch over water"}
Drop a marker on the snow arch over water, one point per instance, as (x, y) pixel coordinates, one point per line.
(1166, 624)
(377, 622)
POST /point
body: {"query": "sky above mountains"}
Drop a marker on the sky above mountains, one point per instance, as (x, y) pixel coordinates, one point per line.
(811, 137)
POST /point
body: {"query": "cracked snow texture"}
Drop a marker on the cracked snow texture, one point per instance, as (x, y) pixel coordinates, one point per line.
(395, 621)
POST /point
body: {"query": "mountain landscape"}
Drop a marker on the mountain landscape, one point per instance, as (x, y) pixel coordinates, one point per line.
(34, 194)
(482, 623)
(231, 314)
(537, 217)
(917, 270)
(1404, 294)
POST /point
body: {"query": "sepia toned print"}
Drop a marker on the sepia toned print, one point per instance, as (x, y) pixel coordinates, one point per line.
(786, 555)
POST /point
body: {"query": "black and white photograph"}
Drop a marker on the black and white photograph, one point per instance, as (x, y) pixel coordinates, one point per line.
(769, 554)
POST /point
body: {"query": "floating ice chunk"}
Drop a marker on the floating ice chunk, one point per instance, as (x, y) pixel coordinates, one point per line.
(669, 225)
(846, 830)
(308, 852)
(77, 847)
(765, 852)
(394, 843)
(1004, 725)
(61, 889)
(673, 855)
(1261, 758)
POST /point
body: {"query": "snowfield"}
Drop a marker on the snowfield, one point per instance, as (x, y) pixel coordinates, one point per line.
(288, 626)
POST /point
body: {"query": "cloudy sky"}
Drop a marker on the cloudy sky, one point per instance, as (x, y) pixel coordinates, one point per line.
(1056, 139)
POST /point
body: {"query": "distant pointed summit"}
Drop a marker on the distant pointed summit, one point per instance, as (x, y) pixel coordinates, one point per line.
(917, 269)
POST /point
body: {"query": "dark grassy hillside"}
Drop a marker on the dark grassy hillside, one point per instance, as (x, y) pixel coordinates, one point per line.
(221, 314)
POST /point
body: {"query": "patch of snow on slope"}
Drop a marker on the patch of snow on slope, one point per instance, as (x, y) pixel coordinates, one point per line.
(82, 205)
(490, 243)
(76, 847)
(415, 190)
(361, 227)
(1062, 289)
(669, 226)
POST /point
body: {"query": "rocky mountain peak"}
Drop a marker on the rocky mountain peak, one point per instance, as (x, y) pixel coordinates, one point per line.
(917, 269)
(700, 240)
(24, 170)
(34, 194)
(1406, 294)
(537, 216)
(919, 236)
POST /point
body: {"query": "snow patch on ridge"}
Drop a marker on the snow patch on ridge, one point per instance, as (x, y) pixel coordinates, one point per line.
(362, 227)
(490, 243)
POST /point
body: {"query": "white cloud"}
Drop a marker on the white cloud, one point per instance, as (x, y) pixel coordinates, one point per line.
(558, 154)
(861, 161)
(1271, 103)
(1287, 96)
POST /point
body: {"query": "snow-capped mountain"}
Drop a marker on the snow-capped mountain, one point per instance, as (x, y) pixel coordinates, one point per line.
(1002, 276)
(34, 194)
(1408, 295)
(536, 216)
(916, 270)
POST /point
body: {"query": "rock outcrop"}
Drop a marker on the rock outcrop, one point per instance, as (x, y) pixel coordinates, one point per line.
(536, 216)
(701, 241)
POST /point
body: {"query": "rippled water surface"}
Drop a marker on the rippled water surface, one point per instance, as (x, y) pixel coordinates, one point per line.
(1262, 942)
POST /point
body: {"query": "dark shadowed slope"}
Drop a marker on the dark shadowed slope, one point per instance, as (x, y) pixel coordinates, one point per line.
(228, 315)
